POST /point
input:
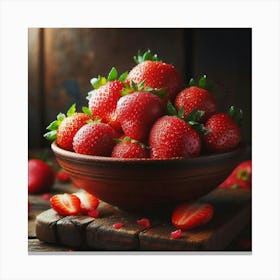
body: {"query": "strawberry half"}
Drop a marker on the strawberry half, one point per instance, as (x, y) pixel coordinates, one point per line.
(191, 215)
(103, 99)
(88, 201)
(156, 74)
(66, 204)
(64, 128)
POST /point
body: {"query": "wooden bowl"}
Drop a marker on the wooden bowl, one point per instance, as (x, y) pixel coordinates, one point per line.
(138, 184)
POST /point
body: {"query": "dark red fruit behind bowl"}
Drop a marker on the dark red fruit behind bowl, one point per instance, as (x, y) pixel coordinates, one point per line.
(138, 184)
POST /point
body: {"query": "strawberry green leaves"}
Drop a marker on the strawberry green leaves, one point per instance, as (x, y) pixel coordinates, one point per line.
(141, 57)
(53, 126)
(236, 114)
(192, 118)
(86, 110)
(203, 82)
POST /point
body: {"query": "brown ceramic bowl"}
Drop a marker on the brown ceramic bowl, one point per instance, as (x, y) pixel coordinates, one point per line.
(138, 184)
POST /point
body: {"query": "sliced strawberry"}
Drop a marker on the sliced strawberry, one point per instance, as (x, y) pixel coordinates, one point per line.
(66, 204)
(190, 215)
(88, 201)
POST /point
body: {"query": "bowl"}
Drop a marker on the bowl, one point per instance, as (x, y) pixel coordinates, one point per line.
(138, 184)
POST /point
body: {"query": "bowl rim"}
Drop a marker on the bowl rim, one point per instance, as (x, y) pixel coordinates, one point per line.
(81, 157)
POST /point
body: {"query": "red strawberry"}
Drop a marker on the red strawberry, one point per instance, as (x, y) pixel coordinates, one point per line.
(129, 148)
(156, 74)
(62, 176)
(88, 201)
(40, 176)
(65, 204)
(137, 112)
(64, 128)
(103, 99)
(94, 139)
(172, 137)
(190, 215)
(241, 177)
(225, 133)
(196, 98)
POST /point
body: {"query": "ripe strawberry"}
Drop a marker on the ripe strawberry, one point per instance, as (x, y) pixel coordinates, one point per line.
(40, 176)
(65, 127)
(103, 99)
(172, 137)
(137, 112)
(62, 176)
(156, 74)
(129, 148)
(190, 215)
(94, 139)
(225, 133)
(65, 204)
(88, 201)
(195, 97)
(241, 177)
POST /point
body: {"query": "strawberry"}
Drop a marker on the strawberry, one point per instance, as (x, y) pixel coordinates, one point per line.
(191, 215)
(129, 148)
(137, 112)
(225, 132)
(65, 204)
(88, 201)
(40, 176)
(95, 139)
(156, 74)
(241, 177)
(64, 128)
(195, 97)
(62, 176)
(103, 99)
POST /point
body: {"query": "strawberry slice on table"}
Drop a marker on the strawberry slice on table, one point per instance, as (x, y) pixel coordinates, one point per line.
(191, 215)
(225, 133)
(156, 74)
(64, 128)
(103, 99)
(88, 201)
(197, 97)
(66, 204)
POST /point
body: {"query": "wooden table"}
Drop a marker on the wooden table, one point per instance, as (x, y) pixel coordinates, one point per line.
(230, 229)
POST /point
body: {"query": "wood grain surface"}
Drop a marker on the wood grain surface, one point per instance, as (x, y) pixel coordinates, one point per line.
(83, 233)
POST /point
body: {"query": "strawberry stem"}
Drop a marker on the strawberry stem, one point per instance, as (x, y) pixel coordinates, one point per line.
(141, 57)
(236, 114)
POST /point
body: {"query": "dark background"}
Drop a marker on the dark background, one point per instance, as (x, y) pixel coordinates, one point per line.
(61, 62)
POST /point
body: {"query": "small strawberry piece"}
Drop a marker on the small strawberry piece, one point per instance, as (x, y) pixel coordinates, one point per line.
(65, 204)
(191, 215)
(117, 225)
(196, 98)
(137, 112)
(225, 133)
(94, 213)
(40, 176)
(62, 176)
(176, 234)
(94, 139)
(129, 148)
(88, 201)
(144, 222)
(46, 196)
(156, 74)
(172, 137)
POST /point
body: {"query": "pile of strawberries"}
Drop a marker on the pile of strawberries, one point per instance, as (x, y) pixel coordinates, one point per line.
(147, 113)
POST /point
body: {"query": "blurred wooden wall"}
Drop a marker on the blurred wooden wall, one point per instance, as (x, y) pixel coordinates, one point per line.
(61, 62)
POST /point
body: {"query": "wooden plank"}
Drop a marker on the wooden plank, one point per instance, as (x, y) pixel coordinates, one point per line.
(46, 226)
(37, 246)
